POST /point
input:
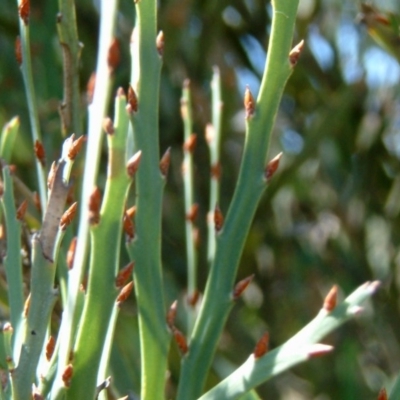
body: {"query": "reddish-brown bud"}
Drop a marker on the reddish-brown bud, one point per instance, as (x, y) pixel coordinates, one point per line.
(272, 166)
(108, 126)
(133, 164)
(123, 275)
(193, 212)
(50, 345)
(76, 146)
(241, 287)
(165, 162)
(129, 227)
(216, 171)
(90, 88)
(51, 176)
(382, 394)
(24, 11)
(94, 206)
(67, 375)
(218, 218)
(132, 100)
(40, 152)
(125, 292)
(180, 340)
(171, 314)
(249, 103)
(331, 299)
(68, 216)
(294, 54)
(114, 55)
(261, 347)
(21, 211)
(36, 201)
(160, 43)
(18, 50)
(193, 298)
(190, 143)
(71, 252)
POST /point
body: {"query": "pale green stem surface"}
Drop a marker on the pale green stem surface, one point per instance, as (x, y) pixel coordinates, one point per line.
(250, 187)
(145, 249)
(8, 136)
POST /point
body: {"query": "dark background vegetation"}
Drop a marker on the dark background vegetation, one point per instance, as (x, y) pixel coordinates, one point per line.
(331, 213)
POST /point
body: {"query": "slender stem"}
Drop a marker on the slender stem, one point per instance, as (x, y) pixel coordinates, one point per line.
(145, 249)
(251, 184)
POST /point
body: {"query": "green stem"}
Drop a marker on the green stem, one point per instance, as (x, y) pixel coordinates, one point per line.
(250, 187)
(145, 249)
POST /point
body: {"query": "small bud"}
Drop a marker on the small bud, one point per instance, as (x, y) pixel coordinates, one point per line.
(125, 292)
(160, 43)
(164, 162)
(132, 100)
(40, 152)
(241, 287)
(94, 206)
(71, 252)
(27, 305)
(294, 54)
(51, 176)
(123, 275)
(67, 375)
(22, 210)
(193, 212)
(180, 340)
(190, 143)
(382, 394)
(193, 298)
(261, 347)
(50, 345)
(108, 126)
(131, 212)
(68, 216)
(171, 314)
(318, 350)
(90, 88)
(75, 147)
(216, 171)
(24, 11)
(133, 164)
(18, 50)
(129, 227)
(272, 166)
(331, 299)
(36, 201)
(249, 104)
(114, 55)
(218, 218)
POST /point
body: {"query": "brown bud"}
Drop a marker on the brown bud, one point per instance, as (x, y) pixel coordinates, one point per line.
(272, 166)
(22, 210)
(108, 126)
(76, 146)
(218, 218)
(94, 206)
(190, 143)
(180, 340)
(382, 394)
(132, 100)
(331, 299)
(67, 375)
(27, 305)
(50, 345)
(71, 252)
(133, 164)
(294, 54)
(171, 314)
(40, 152)
(24, 10)
(249, 103)
(18, 50)
(90, 88)
(36, 201)
(125, 292)
(131, 212)
(241, 287)
(216, 171)
(160, 43)
(193, 298)
(164, 162)
(123, 275)
(193, 212)
(114, 55)
(68, 216)
(261, 347)
(51, 176)
(129, 227)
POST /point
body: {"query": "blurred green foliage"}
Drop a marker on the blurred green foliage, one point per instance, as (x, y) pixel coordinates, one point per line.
(331, 213)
